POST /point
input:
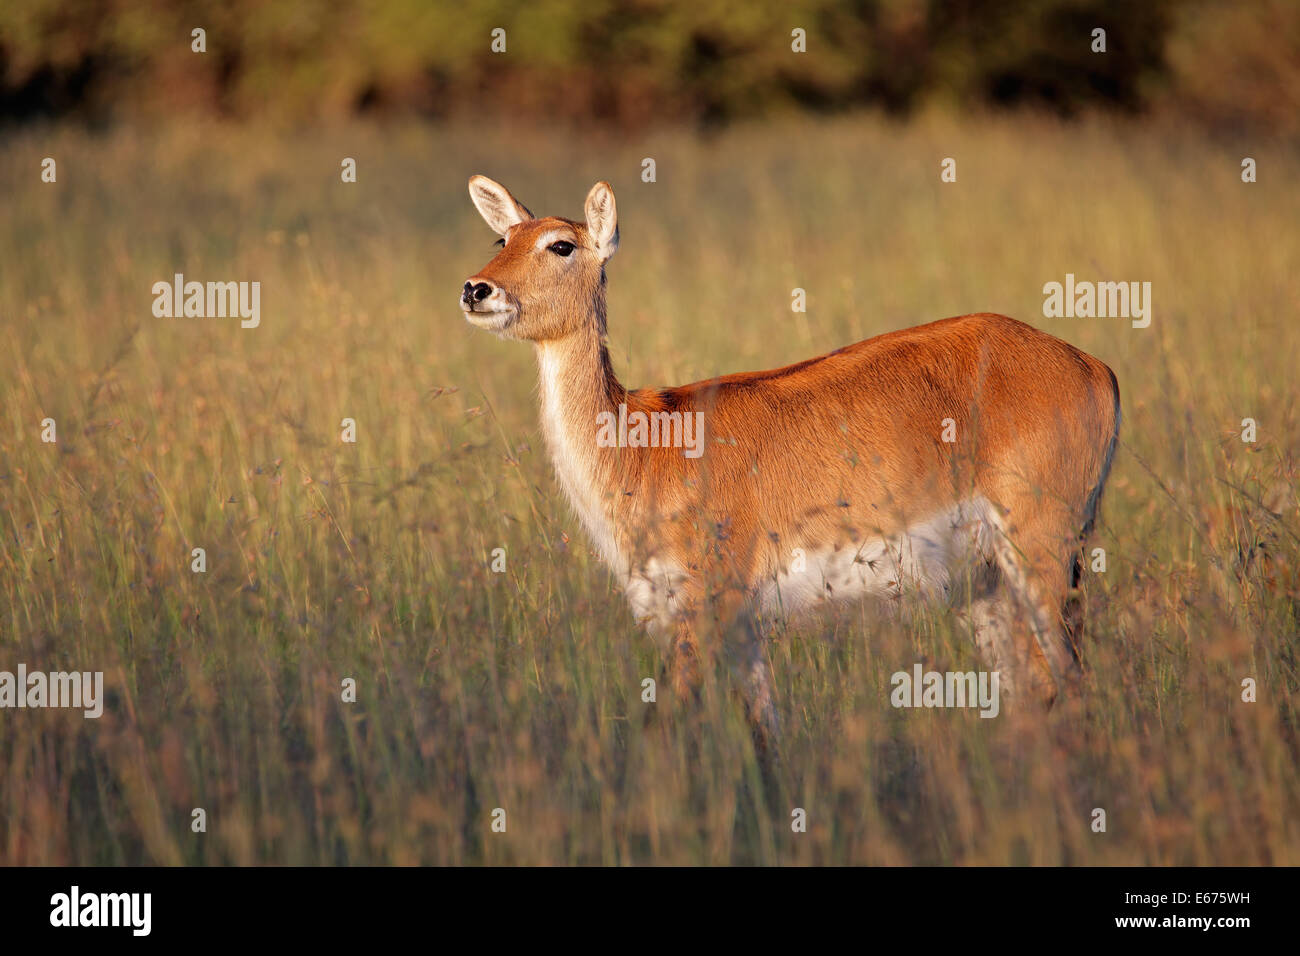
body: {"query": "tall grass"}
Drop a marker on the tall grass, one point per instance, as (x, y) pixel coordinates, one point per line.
(522, 690)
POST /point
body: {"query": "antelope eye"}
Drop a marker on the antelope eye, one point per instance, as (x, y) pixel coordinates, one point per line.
(562, 248)
(499, 242)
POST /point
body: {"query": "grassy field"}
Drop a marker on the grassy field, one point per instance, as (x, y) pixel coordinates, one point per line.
(522, 690)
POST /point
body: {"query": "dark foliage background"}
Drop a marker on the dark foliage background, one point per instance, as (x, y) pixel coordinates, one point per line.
(633, 62)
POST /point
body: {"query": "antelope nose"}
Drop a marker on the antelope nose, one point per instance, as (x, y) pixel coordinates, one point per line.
(476, 292)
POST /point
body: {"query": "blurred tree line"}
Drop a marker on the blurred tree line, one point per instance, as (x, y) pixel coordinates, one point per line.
(630, 62)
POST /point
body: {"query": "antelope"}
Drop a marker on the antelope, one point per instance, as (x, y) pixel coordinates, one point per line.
(967, 455)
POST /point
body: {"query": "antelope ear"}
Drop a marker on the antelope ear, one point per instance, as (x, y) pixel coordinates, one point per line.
(602, 219)
(499, 209)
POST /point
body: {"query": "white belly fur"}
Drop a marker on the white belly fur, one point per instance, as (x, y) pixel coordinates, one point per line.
(926, 561)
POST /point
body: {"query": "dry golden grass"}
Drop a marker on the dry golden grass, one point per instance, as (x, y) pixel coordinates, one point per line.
(522, 690)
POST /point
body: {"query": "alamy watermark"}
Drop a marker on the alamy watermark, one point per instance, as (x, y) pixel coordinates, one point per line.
(129, 910)
(638, 429)
(1086, 300)
(83, 690)
(211, 300)
(922, 688)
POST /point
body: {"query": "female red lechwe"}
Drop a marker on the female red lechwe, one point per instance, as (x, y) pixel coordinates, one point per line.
(969, 449)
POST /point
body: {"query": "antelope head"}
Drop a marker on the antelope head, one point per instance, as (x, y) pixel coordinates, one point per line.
(548, 280)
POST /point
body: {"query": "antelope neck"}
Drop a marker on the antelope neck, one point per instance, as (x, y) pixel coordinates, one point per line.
(577, 384)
